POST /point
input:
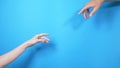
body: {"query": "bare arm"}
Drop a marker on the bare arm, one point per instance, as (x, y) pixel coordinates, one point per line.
(12, 55)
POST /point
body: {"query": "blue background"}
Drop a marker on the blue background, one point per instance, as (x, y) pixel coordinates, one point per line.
(75, 42)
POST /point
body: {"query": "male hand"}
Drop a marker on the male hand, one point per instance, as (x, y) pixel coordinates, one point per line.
(94, 4)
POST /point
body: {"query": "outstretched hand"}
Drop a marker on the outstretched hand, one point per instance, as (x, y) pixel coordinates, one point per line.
(38, 38)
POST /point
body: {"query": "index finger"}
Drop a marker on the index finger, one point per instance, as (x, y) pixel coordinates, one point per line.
(43, 34)
(84, 9)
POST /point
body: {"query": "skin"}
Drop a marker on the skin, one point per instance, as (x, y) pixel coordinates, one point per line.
(12, 55)
(95, 5)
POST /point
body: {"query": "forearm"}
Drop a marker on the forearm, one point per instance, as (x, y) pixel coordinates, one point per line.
(12, 55)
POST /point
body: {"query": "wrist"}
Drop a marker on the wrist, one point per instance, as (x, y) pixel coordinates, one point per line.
(26, 45)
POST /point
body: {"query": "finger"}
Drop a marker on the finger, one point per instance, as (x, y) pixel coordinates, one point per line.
(41, 35)
(45, 39)
(41, 40)
(86, 13)
(93, 12)
(84, 9)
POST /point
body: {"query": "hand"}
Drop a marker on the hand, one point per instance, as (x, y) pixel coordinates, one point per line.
(95, 4)
(38, 38)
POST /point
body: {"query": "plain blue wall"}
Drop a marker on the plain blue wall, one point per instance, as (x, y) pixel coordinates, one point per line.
(75, 42)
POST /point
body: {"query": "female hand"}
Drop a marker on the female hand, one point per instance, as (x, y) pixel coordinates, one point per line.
(38, 38)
